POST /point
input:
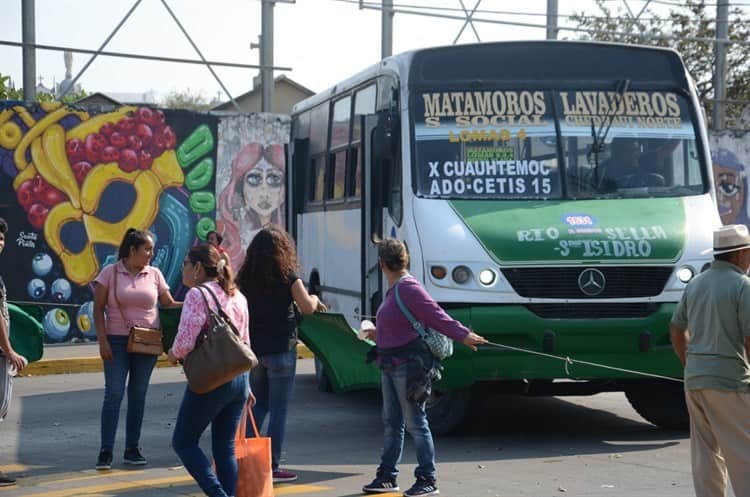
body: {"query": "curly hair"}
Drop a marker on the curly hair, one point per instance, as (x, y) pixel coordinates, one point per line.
(270, 260)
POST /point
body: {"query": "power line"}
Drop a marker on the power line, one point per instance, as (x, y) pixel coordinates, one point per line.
(376, 5)
(643, 36)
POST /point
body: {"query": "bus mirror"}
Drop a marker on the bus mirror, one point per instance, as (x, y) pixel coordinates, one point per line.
(385, 139)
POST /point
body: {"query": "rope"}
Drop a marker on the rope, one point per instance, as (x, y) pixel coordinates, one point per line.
(569, 362)
(566, 359)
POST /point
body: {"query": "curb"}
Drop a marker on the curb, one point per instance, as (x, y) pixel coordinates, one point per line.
(71, 365)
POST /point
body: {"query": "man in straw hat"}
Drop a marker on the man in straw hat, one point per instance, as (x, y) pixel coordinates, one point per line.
(710, 332)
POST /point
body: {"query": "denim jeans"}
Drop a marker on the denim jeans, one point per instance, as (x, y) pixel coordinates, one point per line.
(222, 408)
(272, 381)
(396, 410)
(136, 370)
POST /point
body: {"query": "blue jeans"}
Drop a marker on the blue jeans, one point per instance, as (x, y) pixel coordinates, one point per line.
(222, 408)
(136, 370)
(396, 410)
(272, 381)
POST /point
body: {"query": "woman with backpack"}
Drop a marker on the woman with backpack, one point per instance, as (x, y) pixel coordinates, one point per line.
(404, 359)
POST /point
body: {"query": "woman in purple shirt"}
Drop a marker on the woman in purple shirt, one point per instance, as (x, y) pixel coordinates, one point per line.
(400, 350)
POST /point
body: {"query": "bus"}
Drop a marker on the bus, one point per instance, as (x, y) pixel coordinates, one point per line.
(553, 196)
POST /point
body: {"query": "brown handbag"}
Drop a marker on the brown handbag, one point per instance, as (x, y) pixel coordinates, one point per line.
(220, 354)
(141, 340)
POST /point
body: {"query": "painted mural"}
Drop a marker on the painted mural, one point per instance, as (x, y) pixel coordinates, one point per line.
(730, 155)
(71, 184)
(250, 178)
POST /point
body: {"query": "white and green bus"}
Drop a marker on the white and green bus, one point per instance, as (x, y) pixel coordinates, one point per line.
(553, 196)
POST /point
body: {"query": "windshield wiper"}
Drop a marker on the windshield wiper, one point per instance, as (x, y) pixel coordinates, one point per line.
(599, 136)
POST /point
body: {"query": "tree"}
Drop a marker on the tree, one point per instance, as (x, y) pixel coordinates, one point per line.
(690, 30)
(186, 100)
(10, 93)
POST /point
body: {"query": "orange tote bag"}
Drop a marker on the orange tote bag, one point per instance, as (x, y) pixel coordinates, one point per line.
(254, 476)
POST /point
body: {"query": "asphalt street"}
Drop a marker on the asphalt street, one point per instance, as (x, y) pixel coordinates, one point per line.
(509, 445)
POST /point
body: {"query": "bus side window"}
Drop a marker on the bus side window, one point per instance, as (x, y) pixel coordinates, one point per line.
(317, 177)
(364, 105)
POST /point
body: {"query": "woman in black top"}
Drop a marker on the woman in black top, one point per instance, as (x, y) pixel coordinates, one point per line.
(269, 281)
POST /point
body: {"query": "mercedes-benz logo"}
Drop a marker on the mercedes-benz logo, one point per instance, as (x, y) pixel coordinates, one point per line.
(591, 282)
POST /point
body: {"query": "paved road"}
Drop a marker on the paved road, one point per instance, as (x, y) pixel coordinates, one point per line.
(510, 446)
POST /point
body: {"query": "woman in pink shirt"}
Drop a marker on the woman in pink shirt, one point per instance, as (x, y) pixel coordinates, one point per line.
(139, 288)
(221, 407)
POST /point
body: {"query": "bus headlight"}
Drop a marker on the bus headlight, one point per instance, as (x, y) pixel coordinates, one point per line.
(461, 274)
(438, 272)
(487, 277)
(685, 274)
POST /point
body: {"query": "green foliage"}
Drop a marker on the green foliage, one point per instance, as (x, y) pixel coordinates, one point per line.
(7, 93)
(186, 100)
(690, 29)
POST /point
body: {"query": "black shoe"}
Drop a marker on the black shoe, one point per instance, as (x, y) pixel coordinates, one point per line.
(6, 481)
(133, 456)
(422, 488)
(105, 460)
(381, 485)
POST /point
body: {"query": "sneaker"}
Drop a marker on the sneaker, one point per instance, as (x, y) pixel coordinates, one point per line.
(422, 488)
(380, 485)
(133, 456)
(105, 460)
(282, 476)
(6, 481)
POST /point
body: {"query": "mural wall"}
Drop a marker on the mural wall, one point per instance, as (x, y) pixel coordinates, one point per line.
(730, 154)
(72, 182)
(251, 178)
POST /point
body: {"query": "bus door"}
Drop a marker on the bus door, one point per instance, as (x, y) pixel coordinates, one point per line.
(372, 222)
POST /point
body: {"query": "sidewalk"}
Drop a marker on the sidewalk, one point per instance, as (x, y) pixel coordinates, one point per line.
(84, 358)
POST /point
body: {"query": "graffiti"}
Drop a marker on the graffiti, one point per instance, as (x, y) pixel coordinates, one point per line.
(250, 178)
(730, 156)
(73, 182)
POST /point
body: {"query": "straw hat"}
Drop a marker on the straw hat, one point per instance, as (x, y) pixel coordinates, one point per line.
(730, 238)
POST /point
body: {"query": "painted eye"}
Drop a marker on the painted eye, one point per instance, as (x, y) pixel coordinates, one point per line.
(254, 179)
(85, 320)
(56, 324)
(61, 290)
(274, 179)
(36, 288)
(728, 189)
(41, 264)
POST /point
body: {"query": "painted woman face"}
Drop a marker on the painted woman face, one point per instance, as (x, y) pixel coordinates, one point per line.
(730, 194)
(263, 189)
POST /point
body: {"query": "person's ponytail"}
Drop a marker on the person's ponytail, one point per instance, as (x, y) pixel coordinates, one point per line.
(225, 276)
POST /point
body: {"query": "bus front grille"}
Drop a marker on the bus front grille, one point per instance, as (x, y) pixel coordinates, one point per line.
(572, 282)
(594, 311)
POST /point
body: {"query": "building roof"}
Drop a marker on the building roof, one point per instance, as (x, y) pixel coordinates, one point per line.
(258, 88)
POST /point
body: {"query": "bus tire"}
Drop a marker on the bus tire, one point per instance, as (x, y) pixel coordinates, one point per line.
(322, 381)
(659, 402)
(447, 409)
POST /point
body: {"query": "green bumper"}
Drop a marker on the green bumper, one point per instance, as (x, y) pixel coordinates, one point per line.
(611, 342)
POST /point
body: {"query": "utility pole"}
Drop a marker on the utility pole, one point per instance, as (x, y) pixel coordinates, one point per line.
(266, 55)
(551, 19)
(720, 69)
(386, 32)
(28, 28)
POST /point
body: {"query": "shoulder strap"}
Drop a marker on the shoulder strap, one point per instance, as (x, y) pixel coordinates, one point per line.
(219, 309)
(114, 291)
(405, 310)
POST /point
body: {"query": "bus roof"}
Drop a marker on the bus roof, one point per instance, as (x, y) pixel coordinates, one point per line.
(545, 61)
(527, 61)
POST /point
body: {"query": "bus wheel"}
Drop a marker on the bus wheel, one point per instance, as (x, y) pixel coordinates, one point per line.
(322, 380)
(446, 409)
(659, 402)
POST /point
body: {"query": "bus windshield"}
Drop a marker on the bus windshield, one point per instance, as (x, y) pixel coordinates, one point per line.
(513, 144)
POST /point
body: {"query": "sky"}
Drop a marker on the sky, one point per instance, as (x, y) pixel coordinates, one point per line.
(322, 41)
